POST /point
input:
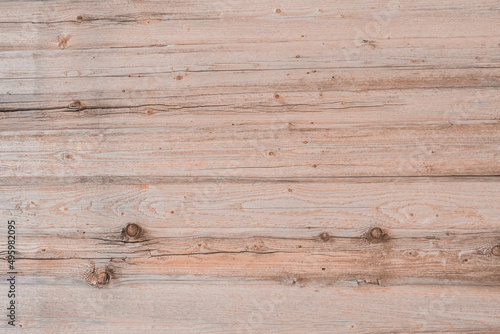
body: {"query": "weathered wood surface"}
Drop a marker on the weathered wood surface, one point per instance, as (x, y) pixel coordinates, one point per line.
(295, 167)
(194, 306)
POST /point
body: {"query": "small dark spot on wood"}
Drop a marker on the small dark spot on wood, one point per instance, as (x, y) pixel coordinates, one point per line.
(80, 18)
(277, 11)
(297, 56)
(67, 156)
(496, 250)
(179, 77)
(290, 190)
(305, 141)
(323, 269)
(172, 212)
(314, 166)
(271, 153)
(325, 236)
(276, 96)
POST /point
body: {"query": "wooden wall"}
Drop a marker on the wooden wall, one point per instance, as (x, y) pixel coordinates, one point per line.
(235, 166)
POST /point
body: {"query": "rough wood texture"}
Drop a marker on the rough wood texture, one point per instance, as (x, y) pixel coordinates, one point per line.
(256, 167)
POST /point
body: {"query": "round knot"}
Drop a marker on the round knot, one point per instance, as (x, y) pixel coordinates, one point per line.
(103, 278)
(324, 236)
(377, 233)
(132, 230)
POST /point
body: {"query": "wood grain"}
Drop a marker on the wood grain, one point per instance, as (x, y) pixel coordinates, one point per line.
(192, 306)
(324, 167)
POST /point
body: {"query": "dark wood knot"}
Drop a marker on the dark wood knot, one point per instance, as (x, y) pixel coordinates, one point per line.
(325, 236)
(78, 105)
(377, 233)
(132, 230)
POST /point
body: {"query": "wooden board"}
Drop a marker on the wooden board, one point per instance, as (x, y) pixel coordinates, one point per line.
(251, 167)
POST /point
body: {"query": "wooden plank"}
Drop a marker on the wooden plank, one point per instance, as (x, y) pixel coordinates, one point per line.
(397, 258)
(425, 207)
(254, 149)
(298, 232)
(194, 307)
(122, 23)
(253, 167)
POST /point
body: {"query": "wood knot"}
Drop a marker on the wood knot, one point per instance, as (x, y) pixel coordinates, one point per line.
(76, 105)
(376, 234)
(132, 230)
(99, 278)
(103, 278)
(80, 18)
(325, 236)
(495, 251)
(63, 41)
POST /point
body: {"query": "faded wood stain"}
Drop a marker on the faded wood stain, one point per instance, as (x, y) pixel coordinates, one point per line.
(231, 166)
